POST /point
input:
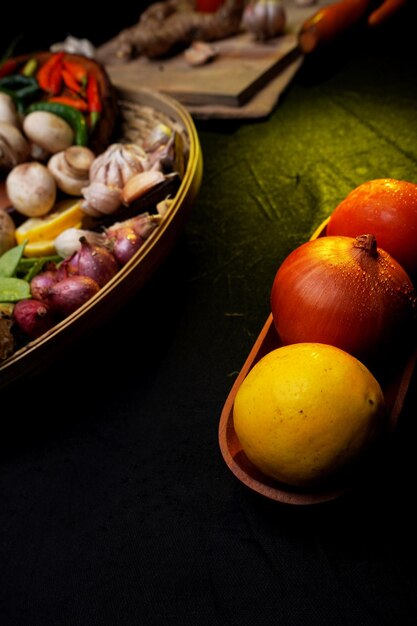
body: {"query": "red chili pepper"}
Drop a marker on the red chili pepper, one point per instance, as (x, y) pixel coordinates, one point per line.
(49, 76)
(78, 71)
(8, 67)
(77, 103)
(70, 81)
(94, 101)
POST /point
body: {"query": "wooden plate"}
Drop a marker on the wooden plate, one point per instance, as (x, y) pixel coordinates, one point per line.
(138, 270)
(395, 388)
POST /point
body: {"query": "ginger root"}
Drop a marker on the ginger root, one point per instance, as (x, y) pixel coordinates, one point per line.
(170, 25)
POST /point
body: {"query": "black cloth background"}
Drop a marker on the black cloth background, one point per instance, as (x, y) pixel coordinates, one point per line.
(115, 504)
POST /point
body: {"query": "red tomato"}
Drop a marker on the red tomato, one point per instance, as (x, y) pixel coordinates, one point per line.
(386, 208)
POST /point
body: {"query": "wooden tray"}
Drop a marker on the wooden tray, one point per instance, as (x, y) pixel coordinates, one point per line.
(142, 265)
(395, 389)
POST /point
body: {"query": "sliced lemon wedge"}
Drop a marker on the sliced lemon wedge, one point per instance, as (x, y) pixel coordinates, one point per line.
(66, 214)
(40, 248)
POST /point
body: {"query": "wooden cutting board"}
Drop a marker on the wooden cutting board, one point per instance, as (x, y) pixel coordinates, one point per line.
(241, 69)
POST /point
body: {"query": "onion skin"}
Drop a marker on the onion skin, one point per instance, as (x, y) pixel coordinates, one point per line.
(69, 294)
(33, 317)
(330, 291)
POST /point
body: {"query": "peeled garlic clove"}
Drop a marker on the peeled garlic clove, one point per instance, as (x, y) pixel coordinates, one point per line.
(200, 53)
(99, 199)
(140, 184)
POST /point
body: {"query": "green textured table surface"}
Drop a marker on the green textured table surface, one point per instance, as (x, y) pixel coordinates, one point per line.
(116, 505)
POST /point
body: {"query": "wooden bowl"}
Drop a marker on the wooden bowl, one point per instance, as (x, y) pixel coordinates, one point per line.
(142, 265)
(394, 386)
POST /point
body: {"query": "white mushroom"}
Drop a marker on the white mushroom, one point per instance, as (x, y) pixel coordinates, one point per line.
(7, 110)
(49, 131)
(14, 148)
(70, 168)
(31, 189)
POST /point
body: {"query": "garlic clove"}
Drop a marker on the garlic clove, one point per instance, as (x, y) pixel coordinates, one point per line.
(140, 184)
(200, 53)
(99, 199)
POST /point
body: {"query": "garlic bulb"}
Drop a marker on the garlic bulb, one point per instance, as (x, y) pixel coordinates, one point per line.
(264, 18)
(14, 148)
(109, 173)
(118, 163)
(99, 199)
(71, 168)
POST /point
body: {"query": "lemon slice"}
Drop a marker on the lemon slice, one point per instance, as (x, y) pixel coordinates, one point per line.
(66, 214)
(40, 248)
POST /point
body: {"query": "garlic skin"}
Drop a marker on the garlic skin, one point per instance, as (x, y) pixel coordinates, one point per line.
(71, 169)
(14, 148)
(264, 18)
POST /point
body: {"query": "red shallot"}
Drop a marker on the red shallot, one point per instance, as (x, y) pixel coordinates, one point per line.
(93, 261)
(33, 317)
(42, 283)
(69, 294)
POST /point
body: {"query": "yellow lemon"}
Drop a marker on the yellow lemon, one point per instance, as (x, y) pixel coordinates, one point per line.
(66, 214)
(40, 248)
(306, 411)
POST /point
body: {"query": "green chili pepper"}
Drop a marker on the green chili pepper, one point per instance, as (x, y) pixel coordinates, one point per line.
(13, 289)
(10, 260)
(16, 81)
(74, 118)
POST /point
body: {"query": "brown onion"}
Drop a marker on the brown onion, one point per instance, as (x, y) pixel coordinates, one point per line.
(344, 292)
